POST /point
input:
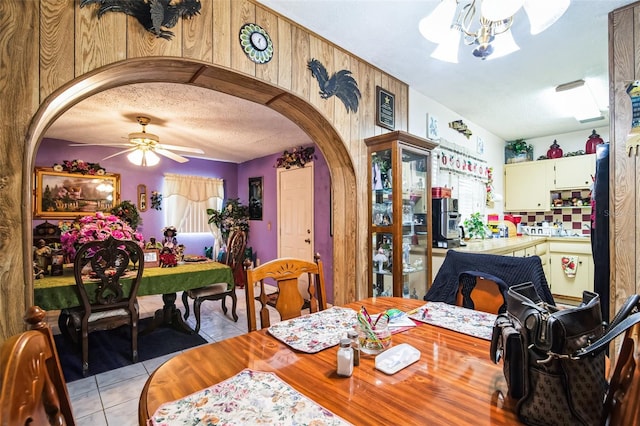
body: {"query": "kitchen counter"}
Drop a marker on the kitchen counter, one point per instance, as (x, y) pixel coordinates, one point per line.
(505, 245)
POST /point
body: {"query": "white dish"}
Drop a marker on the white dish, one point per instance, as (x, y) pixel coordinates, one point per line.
(396, 358)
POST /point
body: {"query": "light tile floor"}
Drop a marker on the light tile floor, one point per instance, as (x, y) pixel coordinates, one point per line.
(111, 398)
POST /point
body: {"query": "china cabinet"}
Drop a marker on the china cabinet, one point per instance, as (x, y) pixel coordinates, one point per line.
(400, 240)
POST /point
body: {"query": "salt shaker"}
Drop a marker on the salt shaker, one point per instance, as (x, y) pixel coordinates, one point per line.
(345, 358)
(355, 345)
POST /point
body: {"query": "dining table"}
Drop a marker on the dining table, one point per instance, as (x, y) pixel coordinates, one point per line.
(59, 292)
(454, 382)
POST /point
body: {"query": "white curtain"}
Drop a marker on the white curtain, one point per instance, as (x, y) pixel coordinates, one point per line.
(187, 199)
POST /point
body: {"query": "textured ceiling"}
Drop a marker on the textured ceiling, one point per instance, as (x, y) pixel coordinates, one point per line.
(510, 96)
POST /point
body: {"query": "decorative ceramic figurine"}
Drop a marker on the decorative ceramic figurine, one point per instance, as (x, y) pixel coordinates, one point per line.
(170, 239)
(554, 150)
(594, 139)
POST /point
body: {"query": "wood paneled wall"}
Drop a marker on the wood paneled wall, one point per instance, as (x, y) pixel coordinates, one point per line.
(624, 181)
(54, 54)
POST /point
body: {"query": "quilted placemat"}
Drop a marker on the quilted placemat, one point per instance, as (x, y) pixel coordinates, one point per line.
(315, 332)
(456, 318)
(251, 398)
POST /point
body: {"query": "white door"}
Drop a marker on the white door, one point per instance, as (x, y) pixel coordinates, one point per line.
(295, 212)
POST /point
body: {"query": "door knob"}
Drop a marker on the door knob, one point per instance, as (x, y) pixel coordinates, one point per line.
(308, 241)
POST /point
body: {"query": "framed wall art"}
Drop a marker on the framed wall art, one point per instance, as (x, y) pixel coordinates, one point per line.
(255, 198)
(151, 258)
(68, 195)
(433, 132)
(142, 198)
(385, 109)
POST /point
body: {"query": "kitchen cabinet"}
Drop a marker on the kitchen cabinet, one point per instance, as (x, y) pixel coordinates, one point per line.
(400, 240)
(571, 253)
(574, 172)
(527, 186)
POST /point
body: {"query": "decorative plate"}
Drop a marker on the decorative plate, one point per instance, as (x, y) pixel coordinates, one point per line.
(256, 43)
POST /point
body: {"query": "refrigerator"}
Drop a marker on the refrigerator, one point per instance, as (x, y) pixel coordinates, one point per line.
(600, 228)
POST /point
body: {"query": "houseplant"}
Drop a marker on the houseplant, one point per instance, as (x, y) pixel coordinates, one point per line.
(234, 215)
(517, 151)
(475, 227)
(128, 212)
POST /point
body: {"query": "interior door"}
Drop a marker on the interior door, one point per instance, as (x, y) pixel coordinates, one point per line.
(295, 215)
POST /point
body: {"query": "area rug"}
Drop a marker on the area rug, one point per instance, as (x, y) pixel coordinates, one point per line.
(111, 349)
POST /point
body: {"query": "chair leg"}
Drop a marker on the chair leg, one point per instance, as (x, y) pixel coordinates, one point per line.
(224, 305)
(85, 352)
(234, 302)
(185, 302)
(134, 338)
(196, 310)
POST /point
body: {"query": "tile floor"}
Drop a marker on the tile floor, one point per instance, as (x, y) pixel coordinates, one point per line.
(111, 398)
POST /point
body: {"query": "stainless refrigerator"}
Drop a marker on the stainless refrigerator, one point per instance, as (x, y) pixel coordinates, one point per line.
(600, 228)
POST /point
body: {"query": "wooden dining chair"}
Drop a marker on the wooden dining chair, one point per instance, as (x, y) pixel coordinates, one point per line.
(33, 387)
(107, 300)
(481, 292)
(285, 274)
(234, 256)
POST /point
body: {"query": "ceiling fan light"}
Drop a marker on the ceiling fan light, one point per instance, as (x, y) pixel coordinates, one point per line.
(434, 26)
(499, 10)
(504, 45)
(447, 51)
(151, 159)
(135, 157)
(544, 13)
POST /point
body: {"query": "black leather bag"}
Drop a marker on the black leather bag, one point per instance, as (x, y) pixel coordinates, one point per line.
(554, 383)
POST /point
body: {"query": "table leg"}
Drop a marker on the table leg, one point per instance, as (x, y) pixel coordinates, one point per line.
(169, 316)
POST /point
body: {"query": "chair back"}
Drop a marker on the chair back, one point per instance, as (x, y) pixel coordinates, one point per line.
(33, 386)
(284, 274)
(482, 292)
(621, 406)
(236, 243)
(108, 261)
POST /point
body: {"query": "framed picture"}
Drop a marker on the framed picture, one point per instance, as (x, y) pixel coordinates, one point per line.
(480, 145)
(432, 127)
(151, 258)
(68, 195)
(142, 198)
(255, 198)
(385, 109)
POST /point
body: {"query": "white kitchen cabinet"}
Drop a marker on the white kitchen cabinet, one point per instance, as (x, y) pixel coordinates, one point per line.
(574, 172)
(527, 186)
(565, 286)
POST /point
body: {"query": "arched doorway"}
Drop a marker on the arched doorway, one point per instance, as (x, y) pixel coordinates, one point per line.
(175, 70)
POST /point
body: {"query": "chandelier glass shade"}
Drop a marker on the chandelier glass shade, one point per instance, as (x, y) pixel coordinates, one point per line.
(143, 156)
(484, 24)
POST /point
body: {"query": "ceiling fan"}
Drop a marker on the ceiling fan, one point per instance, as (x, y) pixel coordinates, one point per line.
(144, 147)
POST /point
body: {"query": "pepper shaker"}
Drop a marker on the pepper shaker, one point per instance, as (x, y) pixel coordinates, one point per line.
(345, 358)
(355, 345)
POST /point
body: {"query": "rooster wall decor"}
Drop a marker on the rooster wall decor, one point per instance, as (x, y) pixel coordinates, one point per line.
(152, 14)
(341, 84)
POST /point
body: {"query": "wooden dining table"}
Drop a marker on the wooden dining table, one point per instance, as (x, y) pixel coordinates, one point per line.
(453, 383)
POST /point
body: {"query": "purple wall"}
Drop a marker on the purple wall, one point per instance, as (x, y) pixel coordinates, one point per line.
(262, 239)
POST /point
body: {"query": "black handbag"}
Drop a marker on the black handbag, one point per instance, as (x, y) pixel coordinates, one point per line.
(553, 358)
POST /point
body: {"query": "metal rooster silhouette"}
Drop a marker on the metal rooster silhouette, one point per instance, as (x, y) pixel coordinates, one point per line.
(341, 84)
(152, 14)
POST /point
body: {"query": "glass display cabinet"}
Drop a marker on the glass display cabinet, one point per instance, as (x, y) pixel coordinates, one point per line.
(400, 241)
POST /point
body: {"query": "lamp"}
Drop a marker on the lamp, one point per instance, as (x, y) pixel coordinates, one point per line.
(143, 156)
(486, 24)
(578, 99)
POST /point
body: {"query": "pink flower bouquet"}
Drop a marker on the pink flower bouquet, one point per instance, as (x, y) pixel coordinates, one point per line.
(98, 227)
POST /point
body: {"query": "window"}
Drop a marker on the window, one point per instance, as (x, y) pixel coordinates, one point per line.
(187, 199)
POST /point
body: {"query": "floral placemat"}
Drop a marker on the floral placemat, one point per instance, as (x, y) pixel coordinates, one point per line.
(249, 397)
(315, 332)
(463, 320)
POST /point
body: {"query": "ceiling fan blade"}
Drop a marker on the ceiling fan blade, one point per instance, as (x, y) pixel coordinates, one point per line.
(171, 155)
(100, 144)
(119, 153)
(180, 148)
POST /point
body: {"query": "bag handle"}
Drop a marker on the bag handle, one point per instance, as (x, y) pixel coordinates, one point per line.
(632, 302)
(613, 332)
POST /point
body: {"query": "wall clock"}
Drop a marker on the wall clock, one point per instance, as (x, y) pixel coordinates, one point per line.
(256, 43)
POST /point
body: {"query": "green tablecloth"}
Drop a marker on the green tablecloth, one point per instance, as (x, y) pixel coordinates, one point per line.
(59, 292)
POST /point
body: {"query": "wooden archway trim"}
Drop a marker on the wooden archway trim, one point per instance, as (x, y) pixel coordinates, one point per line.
(172, 70)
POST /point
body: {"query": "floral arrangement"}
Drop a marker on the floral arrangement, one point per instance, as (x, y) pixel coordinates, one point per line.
(91, 228)
(156, 200)
(298, 157)
(128, 212)
(79, 166)
(234, 215)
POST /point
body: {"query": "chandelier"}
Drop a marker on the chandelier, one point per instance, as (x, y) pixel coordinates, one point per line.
(484, 24)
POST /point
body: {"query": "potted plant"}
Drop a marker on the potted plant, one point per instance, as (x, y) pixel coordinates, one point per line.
(475, 226)
(517, 151)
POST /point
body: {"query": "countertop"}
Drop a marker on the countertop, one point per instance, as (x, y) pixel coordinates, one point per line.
(505, 245)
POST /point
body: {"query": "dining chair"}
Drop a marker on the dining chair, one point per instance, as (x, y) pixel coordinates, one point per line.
(107, 300)
(31, 379)
(482, 292)
(295, 280)
(234, 256)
